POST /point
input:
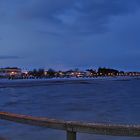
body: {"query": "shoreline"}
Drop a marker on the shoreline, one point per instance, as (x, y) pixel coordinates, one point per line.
(98, 77)
(72, 79)
(17, 83)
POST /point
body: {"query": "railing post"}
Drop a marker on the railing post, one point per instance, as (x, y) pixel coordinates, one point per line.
(71, 135)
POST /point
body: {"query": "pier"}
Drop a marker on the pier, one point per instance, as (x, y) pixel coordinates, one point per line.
(73, 127)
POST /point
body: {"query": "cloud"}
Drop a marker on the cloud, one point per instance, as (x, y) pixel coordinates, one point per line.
(69, 32)
(81, 16)
(9, 57)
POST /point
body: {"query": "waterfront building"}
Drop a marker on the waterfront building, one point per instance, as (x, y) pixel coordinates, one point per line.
(10, 71)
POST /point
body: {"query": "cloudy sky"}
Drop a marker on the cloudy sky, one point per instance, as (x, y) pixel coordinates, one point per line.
(65, 34)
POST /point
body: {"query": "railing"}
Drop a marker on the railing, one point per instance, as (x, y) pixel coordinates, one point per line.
(72, 127)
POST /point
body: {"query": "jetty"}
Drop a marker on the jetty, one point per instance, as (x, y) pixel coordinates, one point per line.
(73, 127)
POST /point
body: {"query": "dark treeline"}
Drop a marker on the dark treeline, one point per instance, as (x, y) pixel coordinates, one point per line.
(17, 73)
(42, 73)
(37, 73)
(107, 71)
(74, 73)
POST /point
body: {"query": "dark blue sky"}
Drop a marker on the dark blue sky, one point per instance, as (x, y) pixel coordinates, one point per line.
(70, 33)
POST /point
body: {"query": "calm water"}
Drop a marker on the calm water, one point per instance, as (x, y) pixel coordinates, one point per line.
(107, 101)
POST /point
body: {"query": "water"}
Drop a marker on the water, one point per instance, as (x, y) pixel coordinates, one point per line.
(103, 101)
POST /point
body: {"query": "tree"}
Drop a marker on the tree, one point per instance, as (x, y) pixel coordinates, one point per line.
(105, 71)
(51, 73)
(40, 73)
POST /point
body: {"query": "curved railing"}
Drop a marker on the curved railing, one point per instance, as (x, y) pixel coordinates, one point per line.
(72, 127)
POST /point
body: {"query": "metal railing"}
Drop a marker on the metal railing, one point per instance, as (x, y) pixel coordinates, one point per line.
(72, 127)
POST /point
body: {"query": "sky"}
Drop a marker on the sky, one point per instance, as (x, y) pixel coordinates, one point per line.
(65, 34)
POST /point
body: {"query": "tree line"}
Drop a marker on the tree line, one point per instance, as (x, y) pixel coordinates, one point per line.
(52, 73)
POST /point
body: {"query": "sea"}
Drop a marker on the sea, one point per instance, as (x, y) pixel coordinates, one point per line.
(109, 101)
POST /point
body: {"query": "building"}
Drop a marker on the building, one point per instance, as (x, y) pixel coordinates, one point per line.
(10, 72)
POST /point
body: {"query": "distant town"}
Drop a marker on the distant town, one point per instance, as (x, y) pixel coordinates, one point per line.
(18, 73)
